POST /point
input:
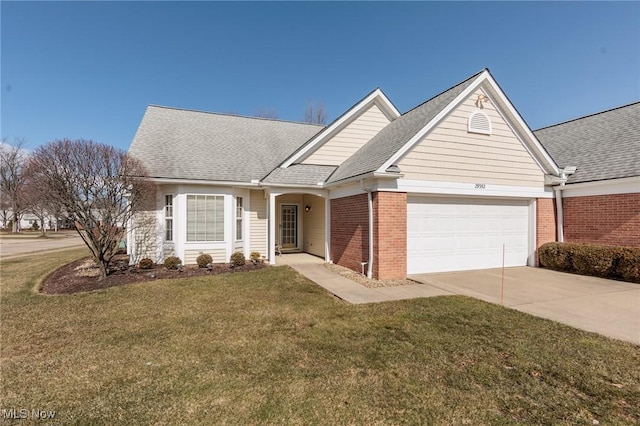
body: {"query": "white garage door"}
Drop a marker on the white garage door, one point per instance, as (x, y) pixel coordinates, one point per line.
(448, 234)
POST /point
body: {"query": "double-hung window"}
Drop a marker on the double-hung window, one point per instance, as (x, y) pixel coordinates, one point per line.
(205, 218)
(168, 217)
(239, 211)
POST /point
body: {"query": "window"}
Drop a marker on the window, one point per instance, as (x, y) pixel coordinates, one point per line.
(238, 218)
(479, 122)
(168, 217)
(205, 218)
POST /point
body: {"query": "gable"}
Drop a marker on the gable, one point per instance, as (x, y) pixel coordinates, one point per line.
(350, 138)
(456, 150)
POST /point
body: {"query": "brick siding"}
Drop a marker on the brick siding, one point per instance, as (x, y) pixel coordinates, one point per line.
(603, 219)
(390, 235)
(545, 222)
(350, 231)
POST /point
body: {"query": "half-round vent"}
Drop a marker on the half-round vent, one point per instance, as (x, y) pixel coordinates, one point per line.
(479, 123)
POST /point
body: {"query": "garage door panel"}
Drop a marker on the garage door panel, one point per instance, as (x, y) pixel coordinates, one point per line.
(446, 234)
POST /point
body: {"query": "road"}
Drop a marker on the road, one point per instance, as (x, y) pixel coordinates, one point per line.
(11, 248)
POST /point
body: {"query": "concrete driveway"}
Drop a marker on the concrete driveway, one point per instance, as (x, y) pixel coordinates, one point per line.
(611, 308)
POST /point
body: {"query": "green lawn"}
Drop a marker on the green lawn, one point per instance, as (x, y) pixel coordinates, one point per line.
(269, 347)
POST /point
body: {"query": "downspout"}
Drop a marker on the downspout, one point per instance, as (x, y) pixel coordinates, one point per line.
(564, 175)
(560, 224)
(370, 210)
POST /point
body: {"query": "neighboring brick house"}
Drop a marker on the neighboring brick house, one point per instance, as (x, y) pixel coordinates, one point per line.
(600, 202)
(458, 182)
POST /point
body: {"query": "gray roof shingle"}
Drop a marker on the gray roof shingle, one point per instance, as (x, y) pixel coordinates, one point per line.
(184, 144)
(300, 174)
(396, 134)
(602, 146)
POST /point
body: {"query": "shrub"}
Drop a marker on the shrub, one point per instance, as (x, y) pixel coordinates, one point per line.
(172, 262)
(237, 259)
(35, 226)
(555, 256)
(255, 256)
(597, 261)
(204, 260)
(629, 265)
(146, 263)
(592, 259)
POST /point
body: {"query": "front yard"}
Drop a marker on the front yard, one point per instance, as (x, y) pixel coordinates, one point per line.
(270, 347)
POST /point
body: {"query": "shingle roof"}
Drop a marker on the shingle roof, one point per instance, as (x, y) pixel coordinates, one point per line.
(184, 144)
(396, 134)
(602, 146)
(300, 174)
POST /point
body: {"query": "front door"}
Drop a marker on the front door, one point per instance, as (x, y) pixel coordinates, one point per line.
(289, 226)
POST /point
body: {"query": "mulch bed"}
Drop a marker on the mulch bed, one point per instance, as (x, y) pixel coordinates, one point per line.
(80, 276)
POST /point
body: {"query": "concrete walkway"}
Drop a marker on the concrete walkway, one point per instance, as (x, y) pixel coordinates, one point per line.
(611, 308)
(312, 267)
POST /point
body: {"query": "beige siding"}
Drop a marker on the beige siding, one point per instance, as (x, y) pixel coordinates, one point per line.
(169, 250)
(218, 256)
(452, 154)
(314, 225)
(145, 236)
(351, 138)
(258, 222)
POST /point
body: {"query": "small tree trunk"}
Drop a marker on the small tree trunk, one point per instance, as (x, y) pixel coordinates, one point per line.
(103, 269)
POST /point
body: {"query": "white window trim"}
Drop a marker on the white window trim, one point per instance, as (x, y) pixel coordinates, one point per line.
(186, 222)
(171, 217)
(239, 216)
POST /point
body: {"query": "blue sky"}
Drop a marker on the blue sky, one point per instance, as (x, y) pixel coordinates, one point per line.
(89, 69)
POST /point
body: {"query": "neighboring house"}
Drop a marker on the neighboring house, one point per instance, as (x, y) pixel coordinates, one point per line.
(28, 219)
(459, 182)
(600, 202)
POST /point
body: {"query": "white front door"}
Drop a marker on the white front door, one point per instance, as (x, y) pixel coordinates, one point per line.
(289, 226)
(457, 234)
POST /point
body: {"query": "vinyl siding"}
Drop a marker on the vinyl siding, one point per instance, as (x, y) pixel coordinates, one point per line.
(350, 139)
(314, 225)
(218, 256)
(145, 236)
(258, 222)
(450, 153)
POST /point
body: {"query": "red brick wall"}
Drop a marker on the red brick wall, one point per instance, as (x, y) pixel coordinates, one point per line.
(603, 219)
(545, 221)
(546, 226)
(389, 235)
(350, 231)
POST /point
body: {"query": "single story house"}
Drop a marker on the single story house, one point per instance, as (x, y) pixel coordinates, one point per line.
(600, 202)
(459, 182)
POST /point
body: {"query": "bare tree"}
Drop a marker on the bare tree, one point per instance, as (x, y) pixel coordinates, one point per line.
(5, 210)
(97, 186)
(34, 197)
(267, 113)
(12, 161)
(315, 113)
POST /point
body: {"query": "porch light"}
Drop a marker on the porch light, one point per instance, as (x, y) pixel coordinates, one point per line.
(307, 208)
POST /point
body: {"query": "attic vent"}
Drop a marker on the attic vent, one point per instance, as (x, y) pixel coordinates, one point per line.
(479, 123)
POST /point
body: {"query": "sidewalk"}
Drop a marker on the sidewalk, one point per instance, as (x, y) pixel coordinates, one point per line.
(350, 291)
